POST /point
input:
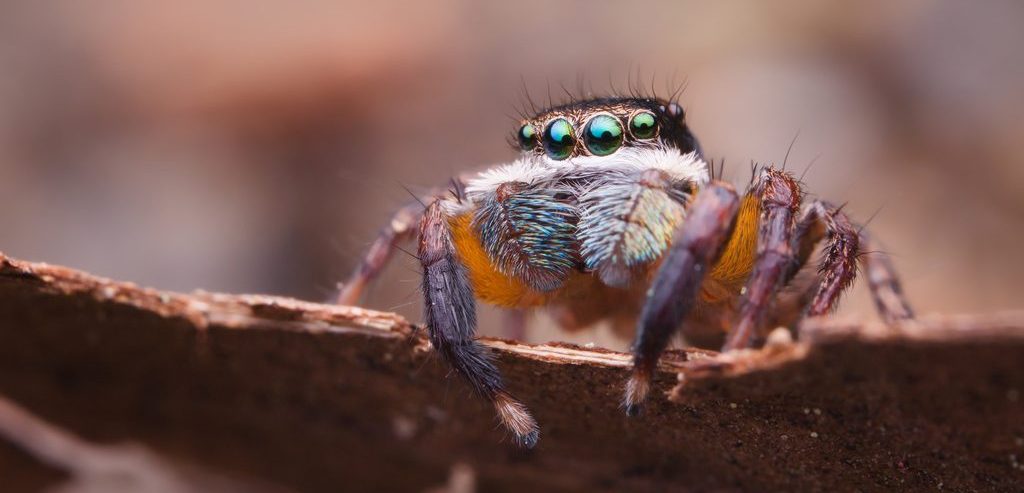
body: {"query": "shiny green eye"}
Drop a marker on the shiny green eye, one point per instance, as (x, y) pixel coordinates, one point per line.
(643, 125)
(559, 139)
(527, 136)
(603, 135)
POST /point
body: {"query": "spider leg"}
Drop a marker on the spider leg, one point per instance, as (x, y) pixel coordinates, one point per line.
(450, 314)
(884, 283)
(838, 268)
(696, 245)
(846, 246)
(779, 195)
(789, 307)
(400, 229)
(821, 220)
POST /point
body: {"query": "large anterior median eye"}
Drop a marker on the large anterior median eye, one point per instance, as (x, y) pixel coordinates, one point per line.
(643, 125)
(527, 136)
(603, 135)
(559, 139)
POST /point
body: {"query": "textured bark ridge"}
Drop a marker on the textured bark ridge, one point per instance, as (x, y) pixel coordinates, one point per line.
(275, 391)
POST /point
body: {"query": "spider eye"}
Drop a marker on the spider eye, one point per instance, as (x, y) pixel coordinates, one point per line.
(643, 125)
(676, 111)
(527, 136)
(559, 139)
(603, 135)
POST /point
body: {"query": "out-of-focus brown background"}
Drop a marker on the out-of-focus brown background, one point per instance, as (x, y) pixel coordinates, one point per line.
(258, 146)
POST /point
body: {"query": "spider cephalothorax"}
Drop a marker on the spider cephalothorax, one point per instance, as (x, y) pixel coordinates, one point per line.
(600, 127)
(610, 212)
(600, 187)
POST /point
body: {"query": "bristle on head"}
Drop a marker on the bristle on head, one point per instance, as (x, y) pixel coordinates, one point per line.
(516, 418)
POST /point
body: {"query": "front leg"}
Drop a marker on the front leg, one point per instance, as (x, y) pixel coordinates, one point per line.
(695, 247)
(450, 315)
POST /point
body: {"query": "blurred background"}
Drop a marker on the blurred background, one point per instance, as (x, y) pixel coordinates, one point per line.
(258, 146)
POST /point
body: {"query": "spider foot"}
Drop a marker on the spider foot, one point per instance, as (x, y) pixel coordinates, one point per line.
(637, 389)
(517, 419)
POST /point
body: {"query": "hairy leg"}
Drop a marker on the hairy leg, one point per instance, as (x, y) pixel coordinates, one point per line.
(846, 245)
(400, 229)
(798, 286)
(884, 283)
(838, 267)
(696, 245)
(821, 221)
(450, 314)
(780, 196)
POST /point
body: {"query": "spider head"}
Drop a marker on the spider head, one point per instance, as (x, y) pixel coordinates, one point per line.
(604, 126)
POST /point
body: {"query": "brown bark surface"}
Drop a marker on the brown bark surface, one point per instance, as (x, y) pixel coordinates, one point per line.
(325, 398)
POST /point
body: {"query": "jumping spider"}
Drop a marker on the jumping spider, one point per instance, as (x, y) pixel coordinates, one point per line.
(610, 212)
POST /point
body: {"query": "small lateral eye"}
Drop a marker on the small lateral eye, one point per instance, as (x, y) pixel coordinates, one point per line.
(603, 135)
(676, 111)
(643, 125)
(559, 139)
(527, 136)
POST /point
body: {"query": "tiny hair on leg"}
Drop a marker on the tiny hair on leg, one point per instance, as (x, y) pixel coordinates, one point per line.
(696, 245)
